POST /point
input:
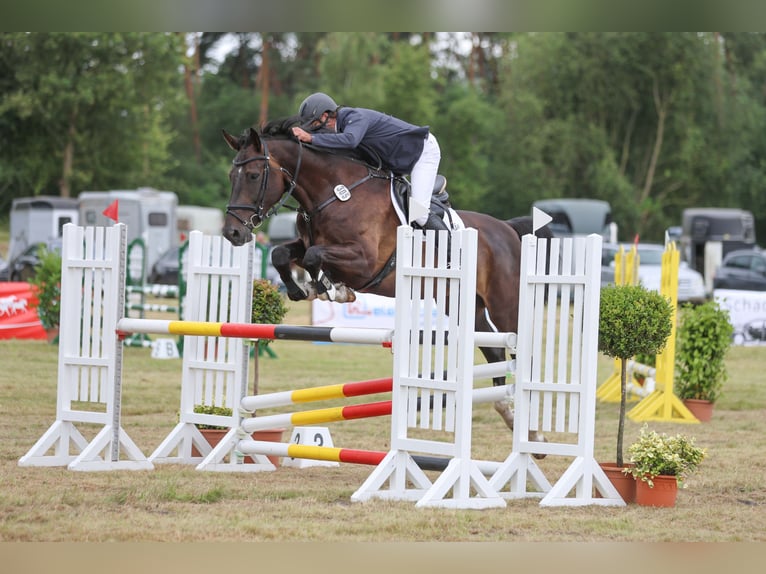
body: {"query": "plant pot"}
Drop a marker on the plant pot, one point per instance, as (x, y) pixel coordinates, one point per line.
(624, 483)
(214, 436)
(52, 335)
(663, 494)
(700, 408)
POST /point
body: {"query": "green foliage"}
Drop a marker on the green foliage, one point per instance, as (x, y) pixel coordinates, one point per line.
(703, 339)
(656, 454)
(632, 321)
(652, 122)
(268, 304)
(87, 110)
(47, 282)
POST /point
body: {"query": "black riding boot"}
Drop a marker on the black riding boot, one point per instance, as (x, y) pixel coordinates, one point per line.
(433, 222)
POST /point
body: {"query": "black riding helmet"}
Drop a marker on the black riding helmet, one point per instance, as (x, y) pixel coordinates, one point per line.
(313, 107)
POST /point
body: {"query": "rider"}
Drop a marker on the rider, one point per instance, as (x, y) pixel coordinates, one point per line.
(402, 147)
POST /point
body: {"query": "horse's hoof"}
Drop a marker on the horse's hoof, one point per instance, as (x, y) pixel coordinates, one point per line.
(537, 437)
(344, 295)
(296, 294)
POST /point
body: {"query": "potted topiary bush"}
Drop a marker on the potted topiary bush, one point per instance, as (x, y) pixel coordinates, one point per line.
(703, 339)
(632, 321)
(47, 283)
(268, 309)
(660, 463)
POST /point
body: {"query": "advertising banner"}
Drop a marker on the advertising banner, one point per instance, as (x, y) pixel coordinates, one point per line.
(747, 312)
(18, 318)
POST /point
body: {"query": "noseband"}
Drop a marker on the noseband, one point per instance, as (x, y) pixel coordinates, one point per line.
(257, 206)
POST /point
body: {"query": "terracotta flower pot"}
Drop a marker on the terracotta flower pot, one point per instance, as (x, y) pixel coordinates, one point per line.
(663, 493)
(624, 483)
(214, 436)
(700, 408)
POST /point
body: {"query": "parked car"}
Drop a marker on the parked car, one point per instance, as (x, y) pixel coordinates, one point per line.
(742, 269)
(691, 285)
(23, 267)
(165, 269)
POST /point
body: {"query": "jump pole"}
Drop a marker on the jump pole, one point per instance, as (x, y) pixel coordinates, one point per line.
(364, 336)
(351, 412)
(348, 455)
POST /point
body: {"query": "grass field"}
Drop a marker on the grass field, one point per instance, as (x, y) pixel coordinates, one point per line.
(724, 501)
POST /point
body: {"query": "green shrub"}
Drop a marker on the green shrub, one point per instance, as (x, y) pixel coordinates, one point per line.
(47, 282)
(702, 341)
(268, 305)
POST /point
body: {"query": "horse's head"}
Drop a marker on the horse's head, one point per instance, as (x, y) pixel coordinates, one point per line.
(257, 184)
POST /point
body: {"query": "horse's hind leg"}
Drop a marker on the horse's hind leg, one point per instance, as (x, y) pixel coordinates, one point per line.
(325, 288)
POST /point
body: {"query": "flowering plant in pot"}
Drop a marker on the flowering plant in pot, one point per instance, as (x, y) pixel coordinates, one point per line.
(654, 454)
(632, 321)
(661, 463)
(703, 339)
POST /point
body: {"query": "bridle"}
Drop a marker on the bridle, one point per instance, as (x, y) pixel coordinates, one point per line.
(257, 206)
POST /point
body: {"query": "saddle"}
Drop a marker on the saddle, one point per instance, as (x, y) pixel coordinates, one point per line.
(440, 203)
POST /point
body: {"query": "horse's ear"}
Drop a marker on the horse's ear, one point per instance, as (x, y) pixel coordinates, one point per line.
(231, 140)
(254, 138)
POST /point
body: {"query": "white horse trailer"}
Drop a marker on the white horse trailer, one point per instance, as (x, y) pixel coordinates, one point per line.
(38, 220)
(149, 214)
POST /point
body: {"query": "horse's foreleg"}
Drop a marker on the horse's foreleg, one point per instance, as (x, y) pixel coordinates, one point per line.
(282, 257)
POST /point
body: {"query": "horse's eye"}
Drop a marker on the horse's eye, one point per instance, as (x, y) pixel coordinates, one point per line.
(253, 176)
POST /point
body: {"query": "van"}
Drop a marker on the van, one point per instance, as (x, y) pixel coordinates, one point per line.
(579, 216)
(709, 233)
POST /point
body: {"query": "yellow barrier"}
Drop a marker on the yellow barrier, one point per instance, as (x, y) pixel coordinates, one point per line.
(662, 404)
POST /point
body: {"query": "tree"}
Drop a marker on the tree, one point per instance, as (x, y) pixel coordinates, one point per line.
(87, 110)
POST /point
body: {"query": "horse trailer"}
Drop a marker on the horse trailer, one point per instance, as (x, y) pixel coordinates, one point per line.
(149, 215)
(38, 219)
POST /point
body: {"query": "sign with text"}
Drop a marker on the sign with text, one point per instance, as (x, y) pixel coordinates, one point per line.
(747, 312)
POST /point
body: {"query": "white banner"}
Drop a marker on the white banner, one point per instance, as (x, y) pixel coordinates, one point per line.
(747, 312)
(369, 311)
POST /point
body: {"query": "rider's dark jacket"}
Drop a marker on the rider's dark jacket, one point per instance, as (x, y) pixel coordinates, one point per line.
(397, 143)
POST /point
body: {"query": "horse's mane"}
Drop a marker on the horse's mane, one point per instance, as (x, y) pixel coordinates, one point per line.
(280, 127)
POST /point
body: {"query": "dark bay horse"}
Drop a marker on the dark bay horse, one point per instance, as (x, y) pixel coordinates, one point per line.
(346, 245)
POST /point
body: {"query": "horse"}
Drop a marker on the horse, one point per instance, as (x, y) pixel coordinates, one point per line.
(347, 240)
